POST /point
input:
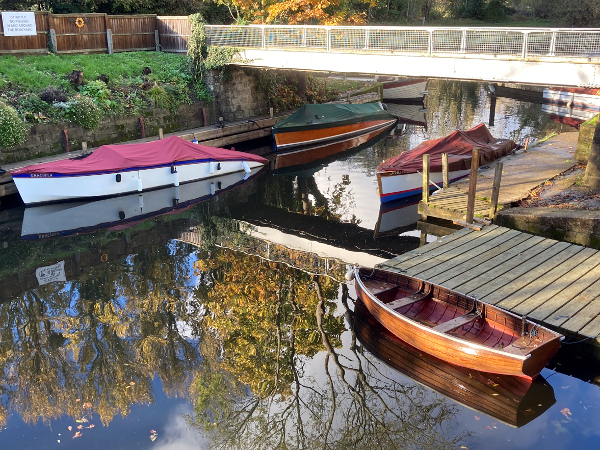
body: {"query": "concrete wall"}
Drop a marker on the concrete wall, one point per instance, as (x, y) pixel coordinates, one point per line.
(576, 226)
(238, 98)
(234, 100)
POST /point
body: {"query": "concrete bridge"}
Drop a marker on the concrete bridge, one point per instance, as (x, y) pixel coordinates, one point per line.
(543, 56)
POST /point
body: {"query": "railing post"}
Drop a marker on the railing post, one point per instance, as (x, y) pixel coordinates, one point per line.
(463, 42)
(367, 37)
(263, 44)
(525, 44)
(553, 45)
(328, 39)
(430, 43)
(304, 37)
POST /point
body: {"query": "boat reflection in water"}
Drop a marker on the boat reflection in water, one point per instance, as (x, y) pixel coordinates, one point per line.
(395, 217)
(511, 400)
(64, 219)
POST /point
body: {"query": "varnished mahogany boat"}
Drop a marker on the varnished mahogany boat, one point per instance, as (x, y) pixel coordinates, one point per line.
(515, 401)
(456, 328)
(323, 124)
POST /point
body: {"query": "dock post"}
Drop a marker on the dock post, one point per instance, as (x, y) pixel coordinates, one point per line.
(492, 109)
(84, 149)
(472, 186)
(496, 189)
(425, 196)
(445, 170)
(160, 133)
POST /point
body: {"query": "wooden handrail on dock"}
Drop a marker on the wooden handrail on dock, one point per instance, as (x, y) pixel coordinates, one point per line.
(452, 203)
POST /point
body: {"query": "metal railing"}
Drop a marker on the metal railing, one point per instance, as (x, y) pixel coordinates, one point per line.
(520, 43)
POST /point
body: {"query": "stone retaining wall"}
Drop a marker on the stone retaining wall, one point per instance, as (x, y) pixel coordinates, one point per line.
(234, 100)
(584, 143)
(575, 226)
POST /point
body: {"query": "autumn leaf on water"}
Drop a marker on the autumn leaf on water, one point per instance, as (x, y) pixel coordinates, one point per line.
(466, 448)
(87, 405)
(487, 428)
(153, 437)
(152, 431)
(566, 412)
(565, 387)
(77, 435)
(80, 427)
(132, 383)
(476, 417)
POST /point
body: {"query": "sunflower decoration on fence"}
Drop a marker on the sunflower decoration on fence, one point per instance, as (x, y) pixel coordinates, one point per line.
(79, 22)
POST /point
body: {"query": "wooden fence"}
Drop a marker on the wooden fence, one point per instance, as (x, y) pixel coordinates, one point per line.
(89, 33)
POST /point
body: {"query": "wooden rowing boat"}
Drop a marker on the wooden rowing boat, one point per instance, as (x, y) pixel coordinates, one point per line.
(515, 401)
(454, 327)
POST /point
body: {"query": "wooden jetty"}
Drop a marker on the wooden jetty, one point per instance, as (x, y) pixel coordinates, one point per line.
(554, 283)
(212, 135)
(452, 203)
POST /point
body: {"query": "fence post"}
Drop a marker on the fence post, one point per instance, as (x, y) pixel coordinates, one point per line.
(53, 40)
(525, 44)
(463, 42)
(367, 37)
(156, 41)
(109, 41)
(553, 45)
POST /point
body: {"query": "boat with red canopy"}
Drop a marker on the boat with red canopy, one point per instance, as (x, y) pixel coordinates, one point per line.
(454, 327)
(121, 169)
(400, 176)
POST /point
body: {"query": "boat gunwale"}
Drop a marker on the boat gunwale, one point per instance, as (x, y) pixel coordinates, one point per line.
(456, 339)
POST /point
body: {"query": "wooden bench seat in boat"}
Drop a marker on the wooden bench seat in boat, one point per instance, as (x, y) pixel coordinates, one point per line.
(405, 301)
(456, 322)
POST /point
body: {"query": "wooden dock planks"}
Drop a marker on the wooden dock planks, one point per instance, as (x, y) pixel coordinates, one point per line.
(451, 203)
(554, 283)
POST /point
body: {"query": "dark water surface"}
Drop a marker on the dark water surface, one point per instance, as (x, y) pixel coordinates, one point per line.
(226, 322)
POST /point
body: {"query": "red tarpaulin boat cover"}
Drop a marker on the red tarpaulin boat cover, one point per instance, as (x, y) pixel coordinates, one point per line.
(458, 145)
(114, 158)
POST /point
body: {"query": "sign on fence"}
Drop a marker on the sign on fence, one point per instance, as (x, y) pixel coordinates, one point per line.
(50, 274)
(19, 23)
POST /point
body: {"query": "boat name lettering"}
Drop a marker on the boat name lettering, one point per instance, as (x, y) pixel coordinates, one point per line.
(47, 235)
(41, 175)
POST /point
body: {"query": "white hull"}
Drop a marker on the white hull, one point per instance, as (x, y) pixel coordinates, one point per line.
(411, 114)
(398, 186)
(56, 188)
(58, 219)
(415, 89)
(394, 219)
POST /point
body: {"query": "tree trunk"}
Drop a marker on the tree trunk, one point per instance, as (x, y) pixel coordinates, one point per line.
(592, 172)
(302, 84)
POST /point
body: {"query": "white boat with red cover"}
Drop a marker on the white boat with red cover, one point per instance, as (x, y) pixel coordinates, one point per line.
(121, 169)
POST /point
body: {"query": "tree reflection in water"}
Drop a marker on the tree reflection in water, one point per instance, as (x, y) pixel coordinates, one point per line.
(265, 389)
(243, 337)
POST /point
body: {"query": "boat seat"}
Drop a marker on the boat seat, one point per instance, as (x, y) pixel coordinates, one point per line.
(456, 322)
(414, 298)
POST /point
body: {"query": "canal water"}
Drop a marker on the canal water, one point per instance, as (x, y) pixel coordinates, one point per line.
(226, 321)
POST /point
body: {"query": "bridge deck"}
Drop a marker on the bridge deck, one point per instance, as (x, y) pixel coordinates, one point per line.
(554, 283)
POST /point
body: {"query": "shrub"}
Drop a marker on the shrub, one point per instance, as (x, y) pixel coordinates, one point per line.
(32, 103)
(160, 98)
(52, 94)
(12, 128)
(83, 111)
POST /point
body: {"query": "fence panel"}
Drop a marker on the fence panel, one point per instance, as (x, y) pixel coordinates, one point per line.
(174, 33)
(27, 44)
(79, 33)
(132, 33)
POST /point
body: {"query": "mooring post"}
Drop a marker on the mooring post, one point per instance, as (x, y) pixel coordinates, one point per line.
(472, 186)
(425, 178)
(492, 109)
(496, 189)
(423, 239)
(203, 117)
(160, 133)
(271, 113)
(84, 149)
(445, 180)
